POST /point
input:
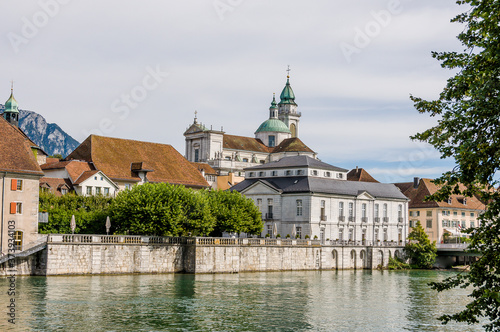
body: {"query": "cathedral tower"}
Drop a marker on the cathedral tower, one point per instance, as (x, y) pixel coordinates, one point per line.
(287, 109)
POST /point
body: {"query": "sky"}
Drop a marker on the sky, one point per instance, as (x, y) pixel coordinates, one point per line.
(140, 69)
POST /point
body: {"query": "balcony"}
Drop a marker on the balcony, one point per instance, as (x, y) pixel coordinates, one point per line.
(269, 216)
(323, 217)
(377, 219)
(385, 219)
(352, 219)
(364, 219)
(400, 220)
(342, 218)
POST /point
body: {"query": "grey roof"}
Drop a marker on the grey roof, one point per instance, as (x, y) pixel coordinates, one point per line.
(298, 161)
(327, 186)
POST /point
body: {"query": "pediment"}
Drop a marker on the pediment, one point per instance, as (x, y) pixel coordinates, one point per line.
(195, 128)
(363, 194)
(260, 188)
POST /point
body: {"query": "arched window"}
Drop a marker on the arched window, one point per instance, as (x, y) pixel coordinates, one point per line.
(293, 129)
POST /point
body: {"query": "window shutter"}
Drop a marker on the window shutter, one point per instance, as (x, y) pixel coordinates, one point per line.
(13, 208)
(13, 184)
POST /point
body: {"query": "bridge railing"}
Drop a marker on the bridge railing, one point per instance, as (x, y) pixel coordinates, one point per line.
(451, 246)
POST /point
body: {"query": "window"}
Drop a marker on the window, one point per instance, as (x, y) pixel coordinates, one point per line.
(16, 185)
(262, 173)
(196, 155)
(472, 224)
(274, 173)
(270, 208)
(251, 174)
(449, 200)
(341, 209)
(270, 229)
(385, 235)
(472, 214)
(97, 190)
(351, 209)
(429, 213)
(288, 172)
(64, 191)
(465, 201)
(429, 223)
(385, 211)
(411, 223)
(455, 213)
(323, 214)
(272, 141)
(363, 210)
(16, 208)
(228, 158)
(298, 230)
(102, 178)
(463, 214)
(18, 240)
(463, 224)
(376, 211)
(95, 178)
(259, 203)
(339, 175)
(400, 211)
(314, 172)
(299, 172)
(376, 235)
(89, 190)
(299, 207)
(127, 186)
(245, 160)
(412, 213)
(341, 234)
(106, 191)
(351, 234)
(328, 174)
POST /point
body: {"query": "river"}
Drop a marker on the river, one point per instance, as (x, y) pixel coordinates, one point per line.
(272, 301)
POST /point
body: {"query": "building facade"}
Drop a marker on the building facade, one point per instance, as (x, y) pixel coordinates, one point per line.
(301, 196)
(442, 221)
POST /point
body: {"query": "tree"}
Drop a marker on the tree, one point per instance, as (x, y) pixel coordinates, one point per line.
(420, 250)
(469, 131)
(162, 209)
(90, 213)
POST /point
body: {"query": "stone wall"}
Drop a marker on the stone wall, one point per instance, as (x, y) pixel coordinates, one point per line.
(79, 255)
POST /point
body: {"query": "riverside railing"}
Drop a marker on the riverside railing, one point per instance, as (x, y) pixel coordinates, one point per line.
(204, 241)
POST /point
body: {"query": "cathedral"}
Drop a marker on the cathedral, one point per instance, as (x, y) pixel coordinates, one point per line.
(275, 138)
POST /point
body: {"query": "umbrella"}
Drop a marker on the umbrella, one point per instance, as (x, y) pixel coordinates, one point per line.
(294, 231)
(72, 224)
(275, 230)
(108, 225)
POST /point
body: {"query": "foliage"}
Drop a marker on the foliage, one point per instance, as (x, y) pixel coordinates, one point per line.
(469, 131)
(90, 213)
(234, 213)
(170, 210)
(397, 264)
(419, 249)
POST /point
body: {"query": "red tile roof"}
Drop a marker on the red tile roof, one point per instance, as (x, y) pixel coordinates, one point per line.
(206, 167)
(114, 157)
(75, 168)
(426, 187)
(244, 143)
(55, 184)
(84, 176)
(359, 174)
(293, 144)
(15, 151)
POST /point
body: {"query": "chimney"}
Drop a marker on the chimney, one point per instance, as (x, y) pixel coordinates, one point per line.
(415, 182)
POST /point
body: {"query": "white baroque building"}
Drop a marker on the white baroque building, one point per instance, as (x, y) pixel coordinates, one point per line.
(301, 196)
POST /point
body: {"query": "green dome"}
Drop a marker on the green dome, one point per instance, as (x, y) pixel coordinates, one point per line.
(11, 105)
(287, 96)
(273, 125)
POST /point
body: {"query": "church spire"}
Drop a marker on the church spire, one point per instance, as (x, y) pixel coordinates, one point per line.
(287, 96)
(273, 110)
(11, 111)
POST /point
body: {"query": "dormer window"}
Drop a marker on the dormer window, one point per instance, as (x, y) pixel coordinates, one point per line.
(328, 174)
(245, 160)
(251, 174)
(274, 173)
(449, 200)
(262, 173)
(314, 172)
(288, 172)
(465, 201)
(299, 172)
(339, 175)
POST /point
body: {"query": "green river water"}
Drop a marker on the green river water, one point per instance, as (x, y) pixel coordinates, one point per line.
(272, 301)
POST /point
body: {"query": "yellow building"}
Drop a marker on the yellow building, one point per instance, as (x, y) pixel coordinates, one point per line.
(441, 220)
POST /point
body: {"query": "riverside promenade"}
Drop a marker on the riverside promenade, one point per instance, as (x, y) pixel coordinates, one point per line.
(66, 254)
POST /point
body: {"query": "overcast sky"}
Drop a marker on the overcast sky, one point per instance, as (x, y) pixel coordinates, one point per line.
(139, 70)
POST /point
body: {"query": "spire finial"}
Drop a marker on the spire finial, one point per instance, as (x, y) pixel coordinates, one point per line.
(288, 72)
(195, 116)
(12, 86)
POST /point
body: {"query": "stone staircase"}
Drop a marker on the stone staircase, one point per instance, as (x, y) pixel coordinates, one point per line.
(30, 249)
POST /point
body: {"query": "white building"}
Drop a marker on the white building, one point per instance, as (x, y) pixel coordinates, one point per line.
(304, 196)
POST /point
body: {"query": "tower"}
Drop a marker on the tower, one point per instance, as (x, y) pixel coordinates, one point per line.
(11, 112)
(287, 108)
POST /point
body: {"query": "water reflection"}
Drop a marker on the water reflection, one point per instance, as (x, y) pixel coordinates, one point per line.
(288, 301)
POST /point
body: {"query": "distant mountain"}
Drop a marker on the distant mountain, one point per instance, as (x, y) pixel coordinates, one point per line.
(49, 136)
